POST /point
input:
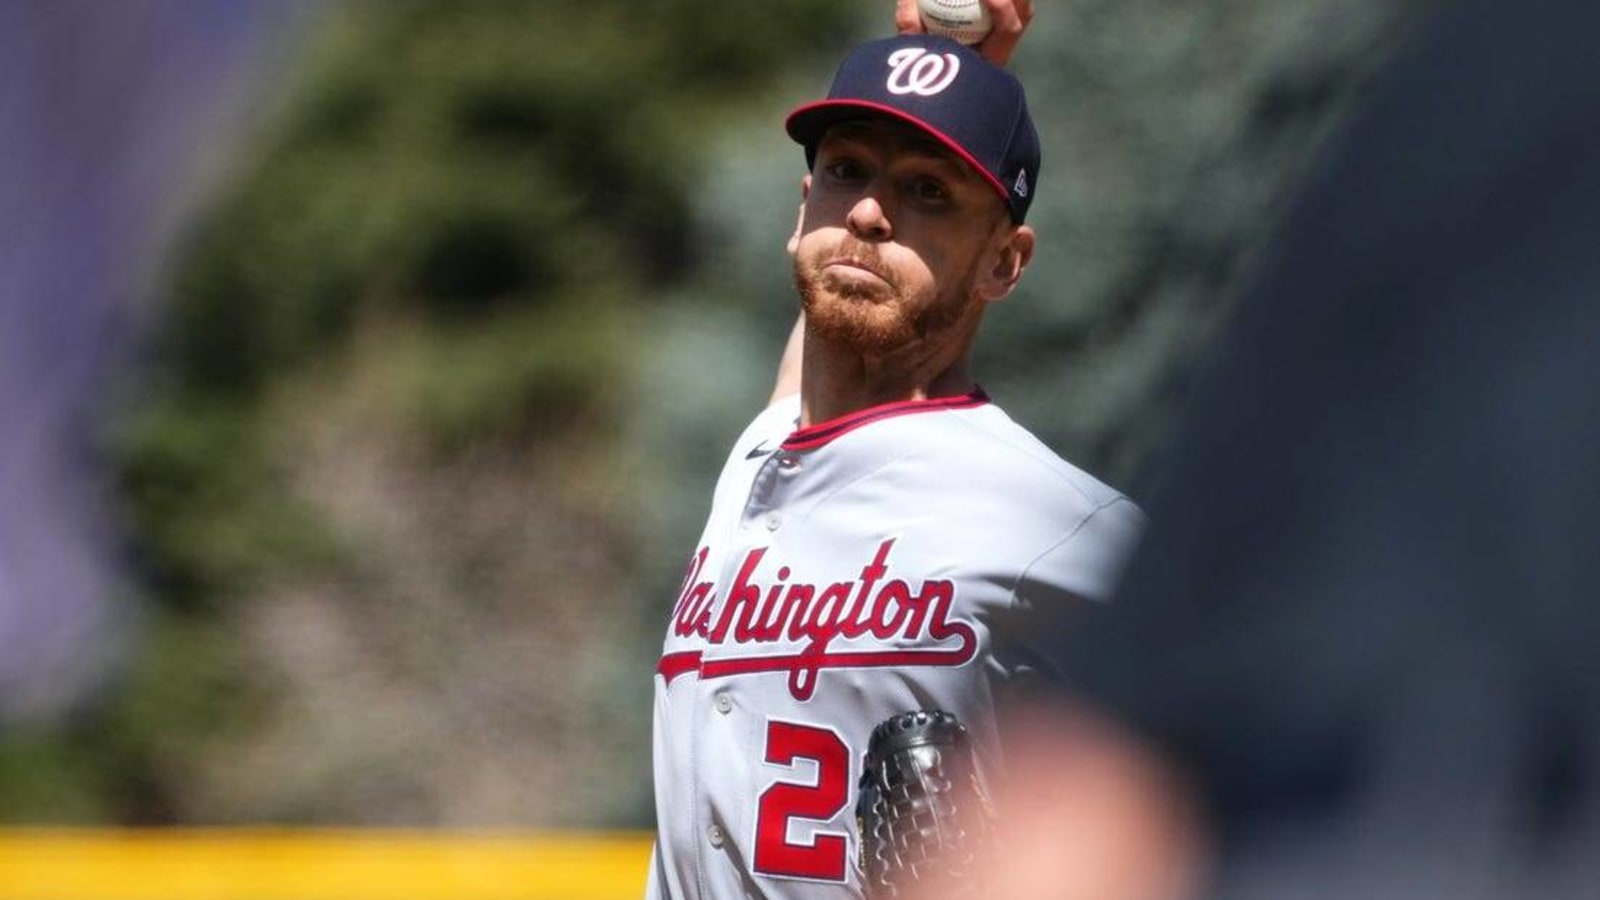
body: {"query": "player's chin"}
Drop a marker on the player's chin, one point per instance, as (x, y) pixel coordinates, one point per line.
(872, 330)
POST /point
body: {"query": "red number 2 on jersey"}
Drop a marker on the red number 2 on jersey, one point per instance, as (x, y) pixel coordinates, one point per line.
(824, 858)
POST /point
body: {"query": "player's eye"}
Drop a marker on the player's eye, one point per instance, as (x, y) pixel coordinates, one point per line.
(843, 169)
(929, 190)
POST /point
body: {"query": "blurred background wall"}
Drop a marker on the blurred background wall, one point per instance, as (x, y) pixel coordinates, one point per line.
(365, 367)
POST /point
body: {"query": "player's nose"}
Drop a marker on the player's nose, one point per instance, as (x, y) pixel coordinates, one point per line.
(868, 220)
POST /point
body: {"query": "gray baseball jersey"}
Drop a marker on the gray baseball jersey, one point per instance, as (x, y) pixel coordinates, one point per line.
(893, 559)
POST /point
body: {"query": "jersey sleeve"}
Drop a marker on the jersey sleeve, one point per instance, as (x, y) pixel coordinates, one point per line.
(1088, 561)
(1062, 585)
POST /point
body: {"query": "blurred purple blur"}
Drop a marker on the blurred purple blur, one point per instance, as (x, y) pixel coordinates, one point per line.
(108, 112)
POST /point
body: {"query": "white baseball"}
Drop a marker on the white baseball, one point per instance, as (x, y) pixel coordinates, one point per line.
(964, 20)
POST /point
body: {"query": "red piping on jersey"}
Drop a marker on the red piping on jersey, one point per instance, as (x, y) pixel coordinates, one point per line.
(868, 659)
(674, 664)
(686, 662)
(814, 436)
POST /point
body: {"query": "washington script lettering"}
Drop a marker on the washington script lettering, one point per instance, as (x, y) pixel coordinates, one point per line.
(872, 607)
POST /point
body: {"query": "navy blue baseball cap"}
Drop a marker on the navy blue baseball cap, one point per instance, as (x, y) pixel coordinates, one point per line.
(970, 105)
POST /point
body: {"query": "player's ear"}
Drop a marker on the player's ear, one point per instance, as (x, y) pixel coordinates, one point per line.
(1011, 257)
(800, 217)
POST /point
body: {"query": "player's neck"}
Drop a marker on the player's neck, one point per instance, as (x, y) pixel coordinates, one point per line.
(837, 381)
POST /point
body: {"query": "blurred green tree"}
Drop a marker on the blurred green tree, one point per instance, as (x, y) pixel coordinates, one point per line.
(420, 287)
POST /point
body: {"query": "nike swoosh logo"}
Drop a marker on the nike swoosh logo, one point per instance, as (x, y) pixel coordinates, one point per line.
(761, 449)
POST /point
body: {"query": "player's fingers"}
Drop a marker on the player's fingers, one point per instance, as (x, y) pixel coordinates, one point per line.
(1004, 10)
(906, 18)
(1010, 18)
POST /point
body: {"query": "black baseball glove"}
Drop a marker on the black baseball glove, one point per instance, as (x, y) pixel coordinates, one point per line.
(922, 813)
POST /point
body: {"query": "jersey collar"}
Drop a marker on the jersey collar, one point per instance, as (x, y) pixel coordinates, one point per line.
(813, 436)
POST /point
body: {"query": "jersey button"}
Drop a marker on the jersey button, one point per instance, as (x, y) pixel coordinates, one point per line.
(774, 519)
(789, 464)
(724, 704)
(715, 836)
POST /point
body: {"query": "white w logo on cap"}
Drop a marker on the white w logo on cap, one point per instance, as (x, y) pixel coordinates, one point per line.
(916, 71)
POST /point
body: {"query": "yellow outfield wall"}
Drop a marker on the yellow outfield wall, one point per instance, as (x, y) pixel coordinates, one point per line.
(258, 864)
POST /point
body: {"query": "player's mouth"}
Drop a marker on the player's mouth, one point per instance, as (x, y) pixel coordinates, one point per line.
(852, 269)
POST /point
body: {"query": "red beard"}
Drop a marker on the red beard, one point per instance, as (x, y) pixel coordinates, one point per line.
(869, 316)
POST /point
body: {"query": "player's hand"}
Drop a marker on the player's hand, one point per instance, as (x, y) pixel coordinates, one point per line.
(1010, 18)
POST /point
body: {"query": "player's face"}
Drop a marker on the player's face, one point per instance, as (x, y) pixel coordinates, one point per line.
(900, 243)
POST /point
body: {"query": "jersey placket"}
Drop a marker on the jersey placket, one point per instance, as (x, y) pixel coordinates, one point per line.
(723, 706)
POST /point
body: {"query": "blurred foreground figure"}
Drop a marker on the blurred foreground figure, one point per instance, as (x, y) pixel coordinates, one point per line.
(1363, 628)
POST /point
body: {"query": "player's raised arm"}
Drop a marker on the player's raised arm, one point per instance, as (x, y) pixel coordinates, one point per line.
(789, 365)
(1009, 20)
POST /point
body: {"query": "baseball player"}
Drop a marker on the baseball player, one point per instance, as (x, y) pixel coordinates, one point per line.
(886, 539)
